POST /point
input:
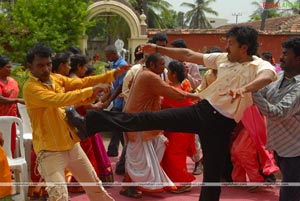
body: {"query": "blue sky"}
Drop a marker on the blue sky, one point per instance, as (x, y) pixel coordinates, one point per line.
(225, 8)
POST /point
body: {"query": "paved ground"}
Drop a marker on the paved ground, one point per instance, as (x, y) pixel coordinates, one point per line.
(228, 193)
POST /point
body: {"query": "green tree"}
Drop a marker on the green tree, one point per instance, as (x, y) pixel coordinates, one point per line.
(295, 6)
(53, 22)
(105, 28)
(260, 11)
(170, 18)
(154, 10)
(195, 17)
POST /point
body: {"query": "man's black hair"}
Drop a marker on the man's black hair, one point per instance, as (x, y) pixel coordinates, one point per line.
(179, 43)
(111, 49)
(245, 35)
(267, 55)
(152, 58)
(160, 37)
(293, 43)
(74, 50)
(40, 50)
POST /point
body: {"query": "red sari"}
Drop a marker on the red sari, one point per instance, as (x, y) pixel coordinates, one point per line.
(179, 147)
(10, 90)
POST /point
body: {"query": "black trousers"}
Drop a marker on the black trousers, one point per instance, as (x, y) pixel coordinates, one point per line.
(289, 168)
(214, 131)
(116, 138)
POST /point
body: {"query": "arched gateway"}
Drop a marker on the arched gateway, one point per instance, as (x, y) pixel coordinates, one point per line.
(136, 23)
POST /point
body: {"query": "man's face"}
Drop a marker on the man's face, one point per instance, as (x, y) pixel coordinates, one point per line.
(159, 66)
(41, 68)
(111, 56)
(288, 60)
(235, 50)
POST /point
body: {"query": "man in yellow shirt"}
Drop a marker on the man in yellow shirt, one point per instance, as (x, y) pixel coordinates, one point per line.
(54, 141)
(223, 102)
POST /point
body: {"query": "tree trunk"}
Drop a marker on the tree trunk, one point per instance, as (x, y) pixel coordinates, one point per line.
(265, 13)
(145, 9)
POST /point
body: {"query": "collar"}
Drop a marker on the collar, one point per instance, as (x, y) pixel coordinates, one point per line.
(281, 75)
(255, 62)
(37, 79)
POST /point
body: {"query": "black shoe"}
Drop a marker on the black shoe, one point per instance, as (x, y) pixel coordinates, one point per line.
(77, 121)
(112, 154)
(270, 178)
(120, 170)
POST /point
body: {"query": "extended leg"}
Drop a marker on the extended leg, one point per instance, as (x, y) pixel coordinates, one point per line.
(184, 119)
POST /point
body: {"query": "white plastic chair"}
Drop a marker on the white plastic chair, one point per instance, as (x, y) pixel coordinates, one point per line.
(18, 164)
(25, 118)
(27, 136)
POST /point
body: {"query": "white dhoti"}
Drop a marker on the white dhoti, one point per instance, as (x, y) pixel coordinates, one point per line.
(143, 163)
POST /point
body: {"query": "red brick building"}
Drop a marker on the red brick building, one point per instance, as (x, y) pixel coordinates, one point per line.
(276, 31)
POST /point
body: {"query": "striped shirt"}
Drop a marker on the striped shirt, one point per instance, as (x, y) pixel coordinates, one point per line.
(280, 103)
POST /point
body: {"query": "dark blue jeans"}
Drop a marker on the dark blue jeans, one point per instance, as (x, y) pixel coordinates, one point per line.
(214, 131)
(290, 171)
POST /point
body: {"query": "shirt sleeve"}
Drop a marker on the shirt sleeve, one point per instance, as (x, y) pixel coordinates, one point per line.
(78, 83)
(194, 75)
(264, 65)
(51, 98)
(288, 106)
(211, 60)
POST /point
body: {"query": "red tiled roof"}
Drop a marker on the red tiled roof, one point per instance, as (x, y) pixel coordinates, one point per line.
(287, 24)
(278, 25)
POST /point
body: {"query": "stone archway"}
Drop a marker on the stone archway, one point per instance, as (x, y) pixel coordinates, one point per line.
(136, 23)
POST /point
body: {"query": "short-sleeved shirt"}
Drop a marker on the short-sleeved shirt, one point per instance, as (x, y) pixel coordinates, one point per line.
(117, 102)
(231, 75)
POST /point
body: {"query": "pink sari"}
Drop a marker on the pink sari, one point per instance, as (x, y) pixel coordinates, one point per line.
(255, 123)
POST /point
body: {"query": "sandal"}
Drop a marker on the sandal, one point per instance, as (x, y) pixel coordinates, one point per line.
(131, 192)
(182, 189)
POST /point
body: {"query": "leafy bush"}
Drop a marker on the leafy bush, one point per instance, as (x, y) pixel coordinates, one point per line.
(20, 74)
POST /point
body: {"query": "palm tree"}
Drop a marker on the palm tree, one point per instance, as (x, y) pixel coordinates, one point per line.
(152, 9)
(196, 16)
(256, 15)
(262, 13)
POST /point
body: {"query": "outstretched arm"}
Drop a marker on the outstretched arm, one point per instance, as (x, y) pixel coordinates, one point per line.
(264, 78)
(285, 109)
(181, 54)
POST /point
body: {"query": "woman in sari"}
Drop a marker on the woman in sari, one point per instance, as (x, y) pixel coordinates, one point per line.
(93, 146)
(9, 91)
(180, 144)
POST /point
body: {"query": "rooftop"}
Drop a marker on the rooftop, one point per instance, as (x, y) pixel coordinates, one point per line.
(278, 25)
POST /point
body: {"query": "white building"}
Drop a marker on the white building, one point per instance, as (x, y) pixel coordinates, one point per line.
(216, 22)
